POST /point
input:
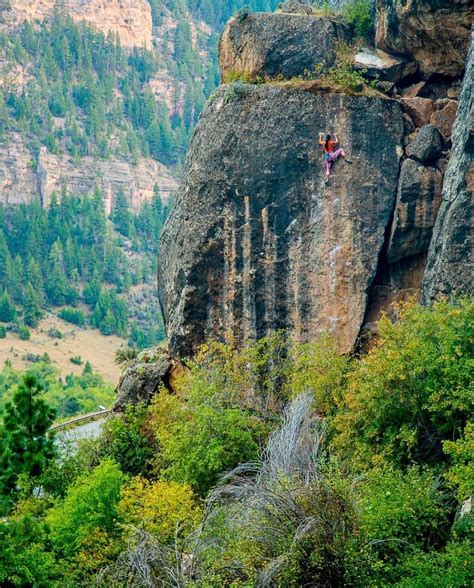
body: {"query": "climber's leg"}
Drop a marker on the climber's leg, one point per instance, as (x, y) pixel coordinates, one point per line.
(329, 164)
(340, 153)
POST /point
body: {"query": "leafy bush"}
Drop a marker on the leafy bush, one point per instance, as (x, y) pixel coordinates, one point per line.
(76, 360)
(414, 388)
(162, 509)
(3, 331)
(24, 333)
(73, 315)
(79, 524)
(461, 474)
(360, 14)
(129, 441)
(200, 439)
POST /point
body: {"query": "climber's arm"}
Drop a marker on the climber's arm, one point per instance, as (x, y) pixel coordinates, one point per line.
(321, 138)
(335, 140)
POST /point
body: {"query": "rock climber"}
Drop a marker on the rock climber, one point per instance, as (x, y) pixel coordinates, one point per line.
(331, 154)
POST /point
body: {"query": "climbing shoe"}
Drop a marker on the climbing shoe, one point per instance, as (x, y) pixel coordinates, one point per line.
(347, 160)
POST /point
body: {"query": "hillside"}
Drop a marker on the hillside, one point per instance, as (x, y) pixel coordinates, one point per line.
(102, 97)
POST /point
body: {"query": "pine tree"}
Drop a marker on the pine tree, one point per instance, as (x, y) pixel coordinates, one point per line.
(121, 216)
(7, 310)
(25, 446)
(57, 286)
(31, 307)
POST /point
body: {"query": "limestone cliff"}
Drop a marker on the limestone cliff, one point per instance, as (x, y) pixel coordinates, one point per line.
(257, 241)
(25, 178)
(450, 260)
(130, 19)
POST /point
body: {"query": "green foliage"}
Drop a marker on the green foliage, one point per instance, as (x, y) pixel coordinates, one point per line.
(399, 513)
(3, 332)
(360, 14)
(76, 360)
(7, 310)
(80, 524)
(25, 446)
(24, 333)
(461, 473)
(451, 566)
(413, 390)
(77, 394)
(129, 441)
(200, 440)
(73, 315)
(23, 559)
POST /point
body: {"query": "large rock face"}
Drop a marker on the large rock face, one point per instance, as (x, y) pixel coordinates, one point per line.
(256, 241)
(450, 260)
(272, 45)
(434, 33)
(130, 19)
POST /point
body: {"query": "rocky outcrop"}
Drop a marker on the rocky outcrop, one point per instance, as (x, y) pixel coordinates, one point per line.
(450, 259)
(434, 33)
(379, 65)
(418, 200)
(272, 45)
(24, 178)
(152, 370)
(130, 19)
(256, 241)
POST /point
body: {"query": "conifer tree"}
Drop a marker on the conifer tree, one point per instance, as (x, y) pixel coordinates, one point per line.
(7, 310)
(25, 445)
(31, 306)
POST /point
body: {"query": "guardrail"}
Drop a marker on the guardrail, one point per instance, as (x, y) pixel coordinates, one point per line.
(83, 418)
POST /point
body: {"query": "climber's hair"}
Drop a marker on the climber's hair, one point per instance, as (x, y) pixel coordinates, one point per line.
(327, 138)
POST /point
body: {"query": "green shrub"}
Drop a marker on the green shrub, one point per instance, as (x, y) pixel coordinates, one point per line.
(360, 14)
(129, 441)
(398, 514)
(200, 440)
(3, 332)
(461, 452)
(413, 390)
(55, 333)
(76, 360)
(451, 567)
(73, 315)
(24, 333)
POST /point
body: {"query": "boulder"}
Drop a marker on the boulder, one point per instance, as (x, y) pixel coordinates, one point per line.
(450, 261)
(427, 146)
(272, 45)
(444, 117)
(256, 240)
(434, 33)
(379, 65)
(418, 109)
(414, 90)
(418, 200)
(151, 371)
